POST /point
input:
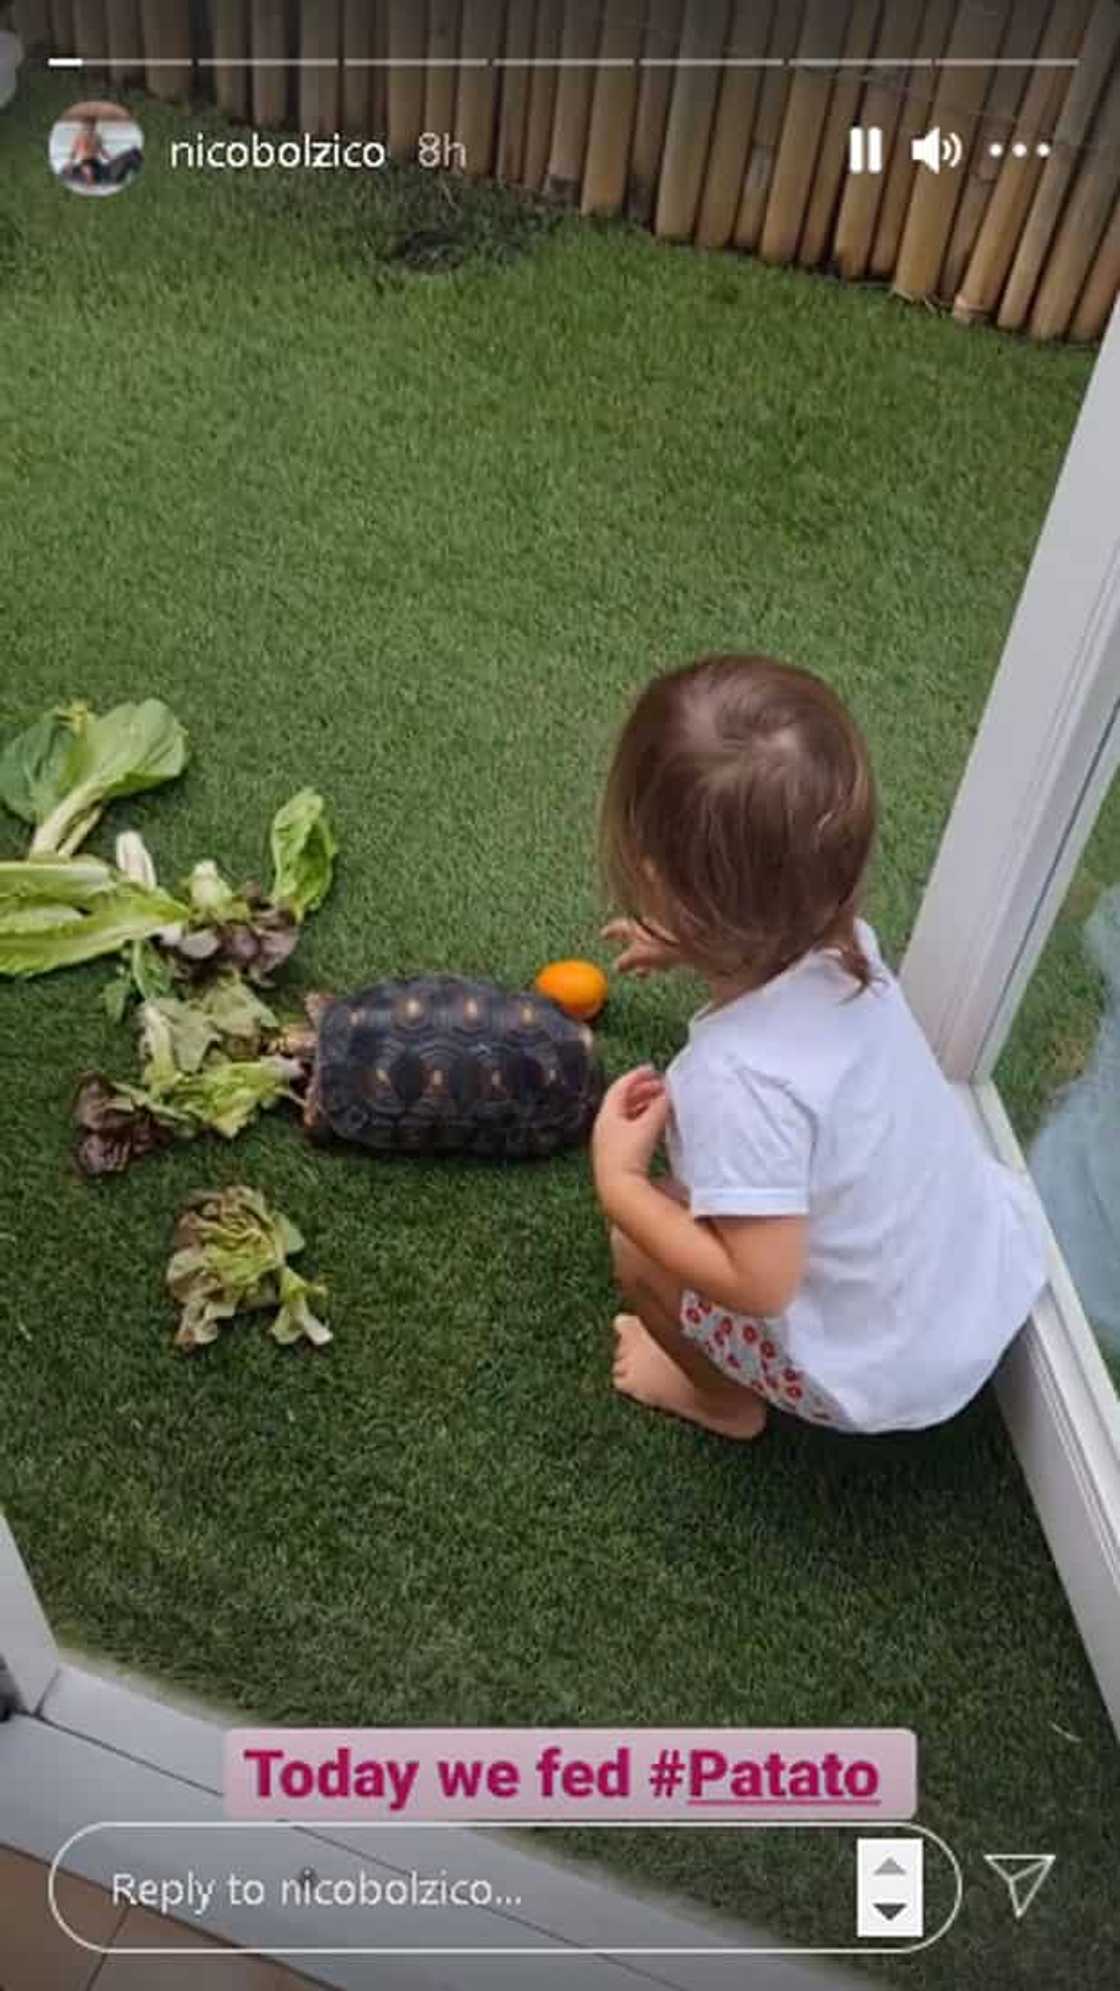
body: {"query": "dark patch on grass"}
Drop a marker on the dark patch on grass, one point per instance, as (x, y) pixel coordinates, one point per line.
(403, 218)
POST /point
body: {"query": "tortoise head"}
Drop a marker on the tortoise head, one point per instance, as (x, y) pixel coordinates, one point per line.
(316, 1003)
(301, 1040)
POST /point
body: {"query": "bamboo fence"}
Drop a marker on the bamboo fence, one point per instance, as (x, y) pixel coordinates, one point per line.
(724, 123)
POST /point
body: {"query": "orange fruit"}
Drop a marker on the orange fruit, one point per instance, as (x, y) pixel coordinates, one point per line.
(579, 987)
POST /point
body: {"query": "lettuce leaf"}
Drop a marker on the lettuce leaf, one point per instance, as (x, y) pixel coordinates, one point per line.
(112, 1129)
(238, 1015)
(212, 898)
(221, 1097)
(241, 930)
(226, 1094)
(70, 881)
(303, 853)
(135, 859)
(174, 1037)
(32, 766)
(60, 773)
(230, 1256)
(57, 913)
(145, 976)
(295, 1320)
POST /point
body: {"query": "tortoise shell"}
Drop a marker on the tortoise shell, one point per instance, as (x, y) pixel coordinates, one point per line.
(440, 1065)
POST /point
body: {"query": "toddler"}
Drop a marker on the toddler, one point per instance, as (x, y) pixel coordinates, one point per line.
(833, 1237)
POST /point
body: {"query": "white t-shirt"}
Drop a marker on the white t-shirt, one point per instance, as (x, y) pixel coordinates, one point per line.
(924, 1255)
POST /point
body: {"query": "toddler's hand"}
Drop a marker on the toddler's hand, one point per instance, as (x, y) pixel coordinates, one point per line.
(643, 951)
(630, 1123)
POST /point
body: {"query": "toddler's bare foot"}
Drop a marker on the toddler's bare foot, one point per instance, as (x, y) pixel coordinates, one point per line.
(642, 1370)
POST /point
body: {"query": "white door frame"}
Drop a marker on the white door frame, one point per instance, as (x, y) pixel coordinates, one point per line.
(1041, 765)
(29, 1657)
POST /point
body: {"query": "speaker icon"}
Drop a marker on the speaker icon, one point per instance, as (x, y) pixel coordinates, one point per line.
(937, 148)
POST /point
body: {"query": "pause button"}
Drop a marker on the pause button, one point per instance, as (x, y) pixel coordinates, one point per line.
(889, 1887)
(865, 148)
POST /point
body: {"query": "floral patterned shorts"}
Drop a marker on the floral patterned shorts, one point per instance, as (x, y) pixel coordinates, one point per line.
(750, 1352)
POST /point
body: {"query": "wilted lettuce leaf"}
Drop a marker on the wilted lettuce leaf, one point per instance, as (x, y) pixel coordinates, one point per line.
(117, 994)
(187, 1088)
(174, 1037)
(227, 928)
(145, 976)
(113, 1129)
(226, 1094)
(231, 1253)
(303, 853)
(226, 1012)
(238, 1015)
(212, 898)
(60, 773)
(295, 1320)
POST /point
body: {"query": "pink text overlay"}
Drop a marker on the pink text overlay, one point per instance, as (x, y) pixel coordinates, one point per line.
(598, 1775)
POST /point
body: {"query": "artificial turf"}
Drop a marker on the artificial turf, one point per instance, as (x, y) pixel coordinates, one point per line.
(416, 539)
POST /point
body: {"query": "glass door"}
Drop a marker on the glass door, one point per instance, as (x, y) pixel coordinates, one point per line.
(1059, 1076)
(1014, 971)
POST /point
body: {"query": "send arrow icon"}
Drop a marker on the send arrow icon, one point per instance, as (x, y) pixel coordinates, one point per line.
(1024, 1874)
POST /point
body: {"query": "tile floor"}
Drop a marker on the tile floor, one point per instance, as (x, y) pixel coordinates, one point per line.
(36, 1956)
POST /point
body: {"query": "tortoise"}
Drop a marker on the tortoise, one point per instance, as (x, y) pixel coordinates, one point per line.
(439, 1064)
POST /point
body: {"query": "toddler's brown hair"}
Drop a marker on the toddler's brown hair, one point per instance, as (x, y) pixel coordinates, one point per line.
(740, 816)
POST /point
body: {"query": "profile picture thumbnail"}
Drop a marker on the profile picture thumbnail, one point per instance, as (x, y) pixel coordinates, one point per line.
(96, 148)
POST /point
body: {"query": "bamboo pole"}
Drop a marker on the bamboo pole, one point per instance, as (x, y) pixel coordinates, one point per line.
(1102, 39)
(319, 88)
(573, 102)
(767, 129)
(441, 79)
(269, 41)
(62, 27)
(1097, 300)
(655, 87)
(1017, 183)
(612, 110)
(882, 109)
(514, 108)
(899, 181)
(478, 88)
(1091, 203)
(739, 94)
(542, 91)
(843, 113)
(358, 26)
(407, 46)
(122, 18)
(229, 25)
(33, 25)
(166, 27)
(379, 77)
(689, 130)
(91, 37)
(1001, 109)
(956, 107)
(822, 33)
